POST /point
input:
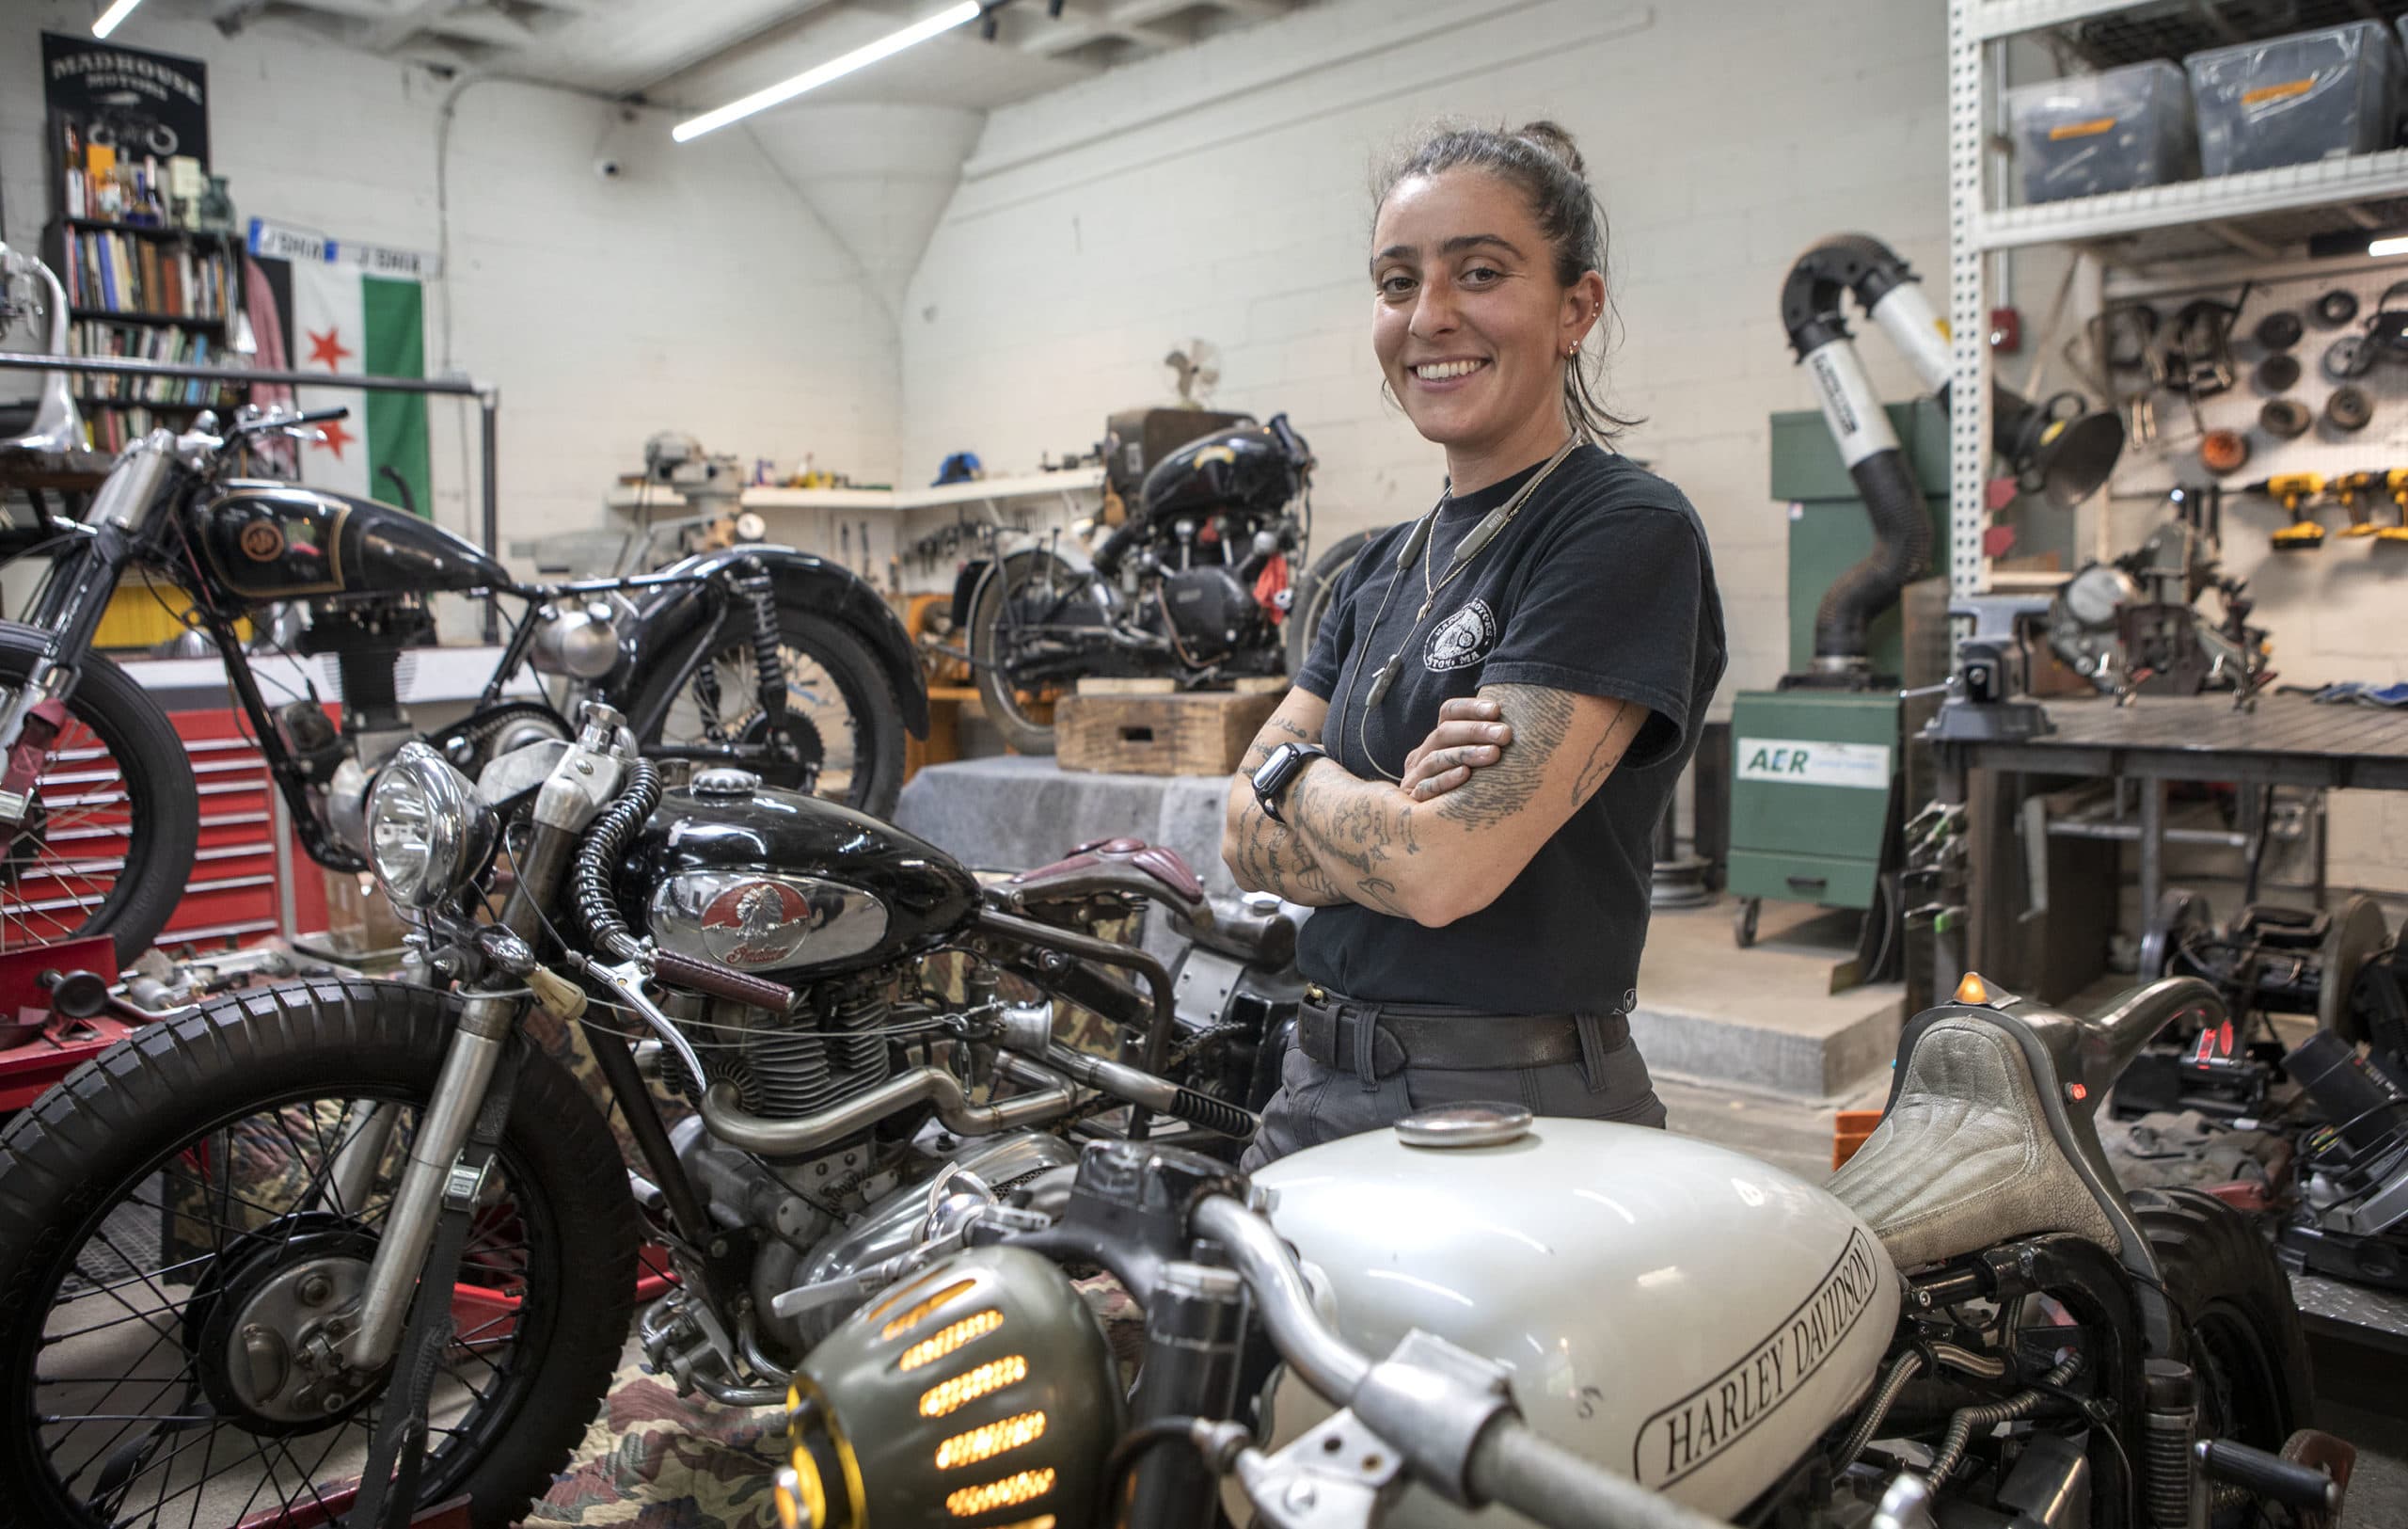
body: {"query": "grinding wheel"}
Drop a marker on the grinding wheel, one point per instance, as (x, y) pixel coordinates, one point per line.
(2357, 937)
(2180, 912)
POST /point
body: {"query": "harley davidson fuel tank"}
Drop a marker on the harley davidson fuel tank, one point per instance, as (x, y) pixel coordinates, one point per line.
(1246, 468)
(788, 885)
(1671, 1309)
(276, 541)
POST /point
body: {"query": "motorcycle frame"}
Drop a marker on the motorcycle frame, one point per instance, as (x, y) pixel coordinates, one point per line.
(672, 635)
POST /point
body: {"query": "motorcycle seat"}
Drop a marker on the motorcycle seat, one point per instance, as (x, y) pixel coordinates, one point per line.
(1117, 868)
(1965, 1157)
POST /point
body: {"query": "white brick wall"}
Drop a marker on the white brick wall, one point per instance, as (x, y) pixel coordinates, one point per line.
(1223, 192)
(699, 291)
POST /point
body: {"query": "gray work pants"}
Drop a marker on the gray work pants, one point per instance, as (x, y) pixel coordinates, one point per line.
(1317, 1104)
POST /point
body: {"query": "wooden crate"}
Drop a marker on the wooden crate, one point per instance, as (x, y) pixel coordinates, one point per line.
(1200, 734)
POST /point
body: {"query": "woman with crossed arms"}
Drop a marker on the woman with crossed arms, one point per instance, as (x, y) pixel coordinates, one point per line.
(1466, 779)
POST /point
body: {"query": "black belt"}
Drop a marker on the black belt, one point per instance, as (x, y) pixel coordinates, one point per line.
(1378, 1040)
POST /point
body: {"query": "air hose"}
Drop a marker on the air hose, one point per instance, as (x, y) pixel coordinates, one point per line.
(597, 862)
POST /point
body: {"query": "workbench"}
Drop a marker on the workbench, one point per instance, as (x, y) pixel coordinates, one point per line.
(2156, 740)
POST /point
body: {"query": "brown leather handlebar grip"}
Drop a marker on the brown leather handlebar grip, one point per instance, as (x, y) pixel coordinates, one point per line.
(722, 982)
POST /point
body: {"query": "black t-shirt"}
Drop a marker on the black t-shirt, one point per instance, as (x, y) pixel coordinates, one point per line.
(1600, 585)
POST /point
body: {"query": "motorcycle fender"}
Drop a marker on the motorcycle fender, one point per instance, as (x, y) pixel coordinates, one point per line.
(973, 577)
(669, 618)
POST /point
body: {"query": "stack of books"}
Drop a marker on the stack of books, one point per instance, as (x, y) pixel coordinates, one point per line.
(125, 273)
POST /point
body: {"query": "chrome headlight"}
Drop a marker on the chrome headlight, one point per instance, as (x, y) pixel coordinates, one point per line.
(428, 836)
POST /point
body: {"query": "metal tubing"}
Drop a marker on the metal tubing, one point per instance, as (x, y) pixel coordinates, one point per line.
(738, 1127)
(449, 387)
(2077, 828)
(489, 427)
(459, 1093)
(2152, 842)
(1550, 1484)
(617, 1062)
(1318, 1355)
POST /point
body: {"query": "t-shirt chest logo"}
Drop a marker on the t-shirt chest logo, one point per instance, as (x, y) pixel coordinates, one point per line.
(1462, 640)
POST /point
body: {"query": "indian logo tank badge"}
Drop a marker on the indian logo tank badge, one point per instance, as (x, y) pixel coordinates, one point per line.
(1462, 640)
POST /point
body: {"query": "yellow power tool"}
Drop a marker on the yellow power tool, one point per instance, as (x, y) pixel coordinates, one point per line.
(2397, 482)
(2354, 492)
(2295, 492)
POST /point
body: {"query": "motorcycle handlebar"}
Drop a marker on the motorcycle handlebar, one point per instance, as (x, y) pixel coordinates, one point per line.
(291, 422)
(1509, 1464)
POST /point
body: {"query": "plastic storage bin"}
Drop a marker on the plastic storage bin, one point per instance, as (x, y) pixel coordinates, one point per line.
(2098, 133)
(2294, 99)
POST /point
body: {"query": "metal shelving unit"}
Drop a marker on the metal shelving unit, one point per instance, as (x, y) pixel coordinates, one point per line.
(2262, 214)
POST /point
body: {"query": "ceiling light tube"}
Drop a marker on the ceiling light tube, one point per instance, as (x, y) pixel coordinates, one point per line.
(810, 79)
(115, 15)
(2396, 245)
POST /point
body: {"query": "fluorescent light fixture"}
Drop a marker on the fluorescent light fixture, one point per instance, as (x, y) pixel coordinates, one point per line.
(2396, 245)
(115, 15)
(810, 79)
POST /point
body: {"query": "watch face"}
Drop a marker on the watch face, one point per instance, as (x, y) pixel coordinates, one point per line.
(1268, 775)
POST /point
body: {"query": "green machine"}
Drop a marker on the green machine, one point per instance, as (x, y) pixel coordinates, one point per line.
(1813, 772)
(1816, 763)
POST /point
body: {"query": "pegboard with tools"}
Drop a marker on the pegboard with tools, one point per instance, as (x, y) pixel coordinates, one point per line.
(2291, 392)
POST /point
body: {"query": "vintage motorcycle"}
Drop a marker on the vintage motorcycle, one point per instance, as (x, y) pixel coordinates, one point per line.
(757, 656)
(1601, 1325)
(1192, 586)
(209, 1237)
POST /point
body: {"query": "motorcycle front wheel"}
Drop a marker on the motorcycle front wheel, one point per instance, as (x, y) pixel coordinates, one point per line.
(172, 1214)
(841, 715)
(107, 844)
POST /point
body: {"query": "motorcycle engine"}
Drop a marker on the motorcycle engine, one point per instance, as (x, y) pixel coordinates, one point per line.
(1211, 611)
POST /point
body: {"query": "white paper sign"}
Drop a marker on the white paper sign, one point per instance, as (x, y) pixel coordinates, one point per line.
(1805, 762)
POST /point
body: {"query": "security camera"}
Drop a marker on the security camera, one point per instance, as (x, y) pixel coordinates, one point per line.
(605, 169)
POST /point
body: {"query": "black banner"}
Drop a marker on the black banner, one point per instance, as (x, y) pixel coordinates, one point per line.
(142, 105)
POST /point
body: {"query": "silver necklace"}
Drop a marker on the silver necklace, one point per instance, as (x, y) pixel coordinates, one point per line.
(1474, 542)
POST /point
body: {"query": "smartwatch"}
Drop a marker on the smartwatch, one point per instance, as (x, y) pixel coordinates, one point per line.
(1286, 763)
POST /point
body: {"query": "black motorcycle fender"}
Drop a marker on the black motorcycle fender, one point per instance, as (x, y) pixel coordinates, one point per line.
(667, 619)
(965, 584)
(965, 589)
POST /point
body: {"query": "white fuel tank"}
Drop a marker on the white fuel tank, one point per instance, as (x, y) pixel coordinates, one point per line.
(1671, 1309)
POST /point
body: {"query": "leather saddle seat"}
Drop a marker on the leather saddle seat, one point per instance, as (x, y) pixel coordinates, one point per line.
(1965, 1156)
(1125, 867)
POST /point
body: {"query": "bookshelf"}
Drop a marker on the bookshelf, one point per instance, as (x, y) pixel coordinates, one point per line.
(138, 285)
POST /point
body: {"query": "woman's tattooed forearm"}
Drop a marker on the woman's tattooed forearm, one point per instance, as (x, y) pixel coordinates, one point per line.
(1539, 717)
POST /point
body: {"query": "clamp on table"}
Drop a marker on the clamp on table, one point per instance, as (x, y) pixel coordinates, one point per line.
(1980, 704)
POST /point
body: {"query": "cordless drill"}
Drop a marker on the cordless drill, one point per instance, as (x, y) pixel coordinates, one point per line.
(2396, 482)
(2352, 490)
(2294, 492)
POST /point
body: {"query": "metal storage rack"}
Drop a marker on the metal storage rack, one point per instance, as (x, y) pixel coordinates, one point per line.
(2258, 214)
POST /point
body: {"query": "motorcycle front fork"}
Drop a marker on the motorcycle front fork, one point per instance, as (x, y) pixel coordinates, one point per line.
(72, 601)
(477, 1044)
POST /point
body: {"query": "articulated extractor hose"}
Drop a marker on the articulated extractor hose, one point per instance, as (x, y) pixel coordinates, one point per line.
(2069, 455)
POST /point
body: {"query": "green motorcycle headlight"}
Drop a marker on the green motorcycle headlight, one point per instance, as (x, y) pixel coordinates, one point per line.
(981, 1395)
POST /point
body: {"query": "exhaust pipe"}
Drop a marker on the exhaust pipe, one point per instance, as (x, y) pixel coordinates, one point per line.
(2067, 456)
(731, 1123)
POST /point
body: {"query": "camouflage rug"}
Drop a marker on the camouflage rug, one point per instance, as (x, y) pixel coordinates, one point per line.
(660, 1460)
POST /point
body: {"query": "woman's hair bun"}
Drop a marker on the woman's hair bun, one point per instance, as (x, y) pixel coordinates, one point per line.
(1552, 138)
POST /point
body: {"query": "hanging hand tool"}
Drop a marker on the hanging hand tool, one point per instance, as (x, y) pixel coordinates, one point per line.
(2351, 492)
(2295, 492)
(2397, 482)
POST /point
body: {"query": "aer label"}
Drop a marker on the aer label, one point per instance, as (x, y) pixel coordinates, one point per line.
(1804, 762)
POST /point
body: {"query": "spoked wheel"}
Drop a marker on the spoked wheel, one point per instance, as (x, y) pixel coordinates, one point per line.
(842, 727)
(1317, 595)
(106, 844)
(180, 1219)
(1022, 712)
